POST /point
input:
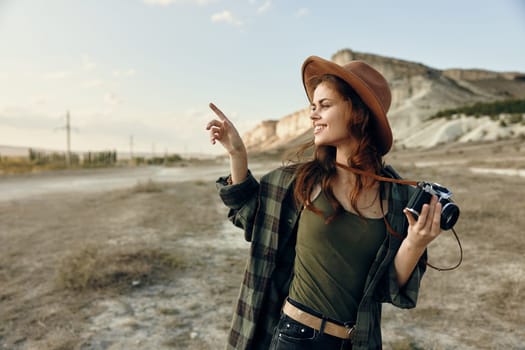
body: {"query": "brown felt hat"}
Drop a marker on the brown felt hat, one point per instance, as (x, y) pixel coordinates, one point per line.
(367, 82)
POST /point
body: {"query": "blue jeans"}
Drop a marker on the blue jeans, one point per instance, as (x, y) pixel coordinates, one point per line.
(292, 335)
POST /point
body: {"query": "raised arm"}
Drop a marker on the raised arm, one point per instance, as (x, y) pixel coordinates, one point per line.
(223, 130)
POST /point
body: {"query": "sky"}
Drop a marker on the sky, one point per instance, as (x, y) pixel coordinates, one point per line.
(140, 73)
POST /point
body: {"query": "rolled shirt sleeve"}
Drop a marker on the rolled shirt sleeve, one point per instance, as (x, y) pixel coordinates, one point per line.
(241, 199)
(235, 196)
(404, 297)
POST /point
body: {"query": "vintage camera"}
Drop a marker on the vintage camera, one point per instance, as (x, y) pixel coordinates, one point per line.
(449, 211)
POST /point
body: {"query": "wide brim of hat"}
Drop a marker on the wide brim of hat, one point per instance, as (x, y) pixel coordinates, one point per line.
(316, 66)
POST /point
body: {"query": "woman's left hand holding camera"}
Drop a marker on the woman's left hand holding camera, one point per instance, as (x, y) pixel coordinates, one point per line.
(427, 227)
(420, 233)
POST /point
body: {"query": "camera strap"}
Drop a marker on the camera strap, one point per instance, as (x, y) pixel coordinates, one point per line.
(388, 227)
(375, 176)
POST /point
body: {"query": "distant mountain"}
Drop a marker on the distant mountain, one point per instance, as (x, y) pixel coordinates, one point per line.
(418, 92)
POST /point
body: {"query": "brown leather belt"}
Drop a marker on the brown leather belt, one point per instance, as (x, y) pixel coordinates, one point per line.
(315, 322)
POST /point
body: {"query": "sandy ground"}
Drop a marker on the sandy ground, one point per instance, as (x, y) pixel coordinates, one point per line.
(478, 306)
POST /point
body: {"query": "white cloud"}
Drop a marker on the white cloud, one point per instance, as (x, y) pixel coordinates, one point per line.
(93, 83)
(88, 63)
(226, 17)
(302, 12)
(39, 101)
(58, 75)
(171, 2)
(264, 7)
(124, 73)
(112, 99)
(159, 2)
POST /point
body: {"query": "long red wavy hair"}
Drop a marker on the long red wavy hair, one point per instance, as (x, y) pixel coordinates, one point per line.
(322, 168)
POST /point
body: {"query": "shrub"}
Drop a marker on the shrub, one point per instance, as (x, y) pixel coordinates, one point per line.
(491, 109)
(149, 186)
(93, 268)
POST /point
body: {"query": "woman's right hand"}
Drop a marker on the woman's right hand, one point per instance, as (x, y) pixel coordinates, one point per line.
(223, 130)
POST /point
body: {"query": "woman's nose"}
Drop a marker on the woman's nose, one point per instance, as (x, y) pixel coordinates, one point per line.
(314, 115)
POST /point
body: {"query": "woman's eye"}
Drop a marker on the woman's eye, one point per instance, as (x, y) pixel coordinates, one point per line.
(322, 106)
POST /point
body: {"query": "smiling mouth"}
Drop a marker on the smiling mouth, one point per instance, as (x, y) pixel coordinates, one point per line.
(319, 128)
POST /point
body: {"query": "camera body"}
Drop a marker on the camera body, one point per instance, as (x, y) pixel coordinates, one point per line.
(425, 190)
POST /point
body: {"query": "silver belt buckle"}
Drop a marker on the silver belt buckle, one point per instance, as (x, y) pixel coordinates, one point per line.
(349, 330)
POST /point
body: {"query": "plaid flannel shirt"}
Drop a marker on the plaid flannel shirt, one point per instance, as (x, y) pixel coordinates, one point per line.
(267, 213)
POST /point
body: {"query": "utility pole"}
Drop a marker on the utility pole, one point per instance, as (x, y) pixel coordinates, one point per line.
(68, 138)
(68, 131)
(131, 149)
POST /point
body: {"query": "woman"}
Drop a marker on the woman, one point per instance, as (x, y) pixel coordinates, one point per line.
(329, 242)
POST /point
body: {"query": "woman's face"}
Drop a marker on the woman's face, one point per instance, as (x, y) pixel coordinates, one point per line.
(330, 116)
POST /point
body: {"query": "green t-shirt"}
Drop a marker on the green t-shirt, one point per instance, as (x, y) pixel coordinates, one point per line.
(332, 260)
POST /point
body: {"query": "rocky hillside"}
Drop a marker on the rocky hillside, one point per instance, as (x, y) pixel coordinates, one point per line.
(418, 92)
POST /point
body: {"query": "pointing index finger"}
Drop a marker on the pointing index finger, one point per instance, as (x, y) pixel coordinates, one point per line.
(218, 112)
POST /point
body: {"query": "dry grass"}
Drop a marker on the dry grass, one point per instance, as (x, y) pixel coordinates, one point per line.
(149, 186)
(96, 268)
(21, 165)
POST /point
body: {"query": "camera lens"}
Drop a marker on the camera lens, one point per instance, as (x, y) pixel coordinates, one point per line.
(449, 215)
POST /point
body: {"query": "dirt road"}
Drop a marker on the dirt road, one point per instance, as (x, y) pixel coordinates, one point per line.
(98, 180)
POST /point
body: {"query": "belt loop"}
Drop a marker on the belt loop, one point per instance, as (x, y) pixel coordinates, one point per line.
(323, 323)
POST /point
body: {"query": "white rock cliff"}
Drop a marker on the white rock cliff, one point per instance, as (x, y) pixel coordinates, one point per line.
(418, 92)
